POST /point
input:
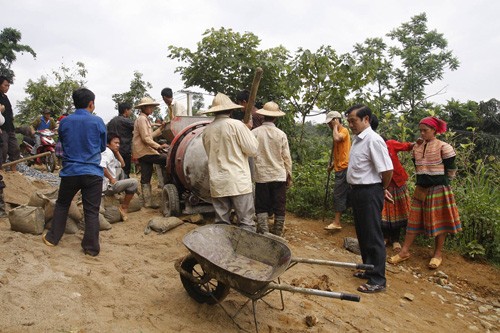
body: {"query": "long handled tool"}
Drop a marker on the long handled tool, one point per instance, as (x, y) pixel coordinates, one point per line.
(327, 186)
(253, 94)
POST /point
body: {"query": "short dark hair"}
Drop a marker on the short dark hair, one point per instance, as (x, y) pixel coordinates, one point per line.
(374, 122)
(362, 111)
(82, 97)
(167, 92)
(242, 96)
(112, 136)
(4, 78)
(122, 107)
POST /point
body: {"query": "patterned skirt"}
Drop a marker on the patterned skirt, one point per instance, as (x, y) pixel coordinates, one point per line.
(437, 214)
(396, 215)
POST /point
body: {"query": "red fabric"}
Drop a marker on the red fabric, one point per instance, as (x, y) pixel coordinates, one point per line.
(436, 123)
(399, 175)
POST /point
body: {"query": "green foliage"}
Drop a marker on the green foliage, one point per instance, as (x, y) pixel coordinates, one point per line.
(138, 90)
(424, 56)
(225, 61)
(9, 39)
(53, 92)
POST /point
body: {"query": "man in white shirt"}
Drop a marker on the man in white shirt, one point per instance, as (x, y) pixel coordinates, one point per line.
(369, 173)
(174, 109)
(228, 143)
(273, 170)
(111, 161)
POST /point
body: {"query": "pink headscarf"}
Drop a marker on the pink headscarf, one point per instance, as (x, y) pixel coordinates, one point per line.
(436, 123)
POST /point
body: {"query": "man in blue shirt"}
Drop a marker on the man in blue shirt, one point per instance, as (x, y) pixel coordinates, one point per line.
(83, 137)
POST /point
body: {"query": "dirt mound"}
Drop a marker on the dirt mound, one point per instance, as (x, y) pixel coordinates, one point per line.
(132, 286)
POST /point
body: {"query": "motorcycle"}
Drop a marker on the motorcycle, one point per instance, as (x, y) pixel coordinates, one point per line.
(47, 144)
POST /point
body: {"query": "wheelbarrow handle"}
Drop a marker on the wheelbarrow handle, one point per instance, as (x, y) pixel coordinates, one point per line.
(315, 292)
(332, 263)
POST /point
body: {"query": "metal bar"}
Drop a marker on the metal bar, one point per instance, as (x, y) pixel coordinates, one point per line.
(332, 263)
(315, 292)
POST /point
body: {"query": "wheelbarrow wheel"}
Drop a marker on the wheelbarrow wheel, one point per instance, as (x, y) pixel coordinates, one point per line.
(170, 201)
(211, 292)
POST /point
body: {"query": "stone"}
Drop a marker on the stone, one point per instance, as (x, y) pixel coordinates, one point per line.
(311, 321)
(482, 309)
(409, 296)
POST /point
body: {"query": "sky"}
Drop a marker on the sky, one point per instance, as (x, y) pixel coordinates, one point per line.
(115, 38)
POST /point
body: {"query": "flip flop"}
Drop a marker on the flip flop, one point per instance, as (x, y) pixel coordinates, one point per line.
(333, 227)
(46, 241)
(396, 259)
(435, 263)
(371, 288)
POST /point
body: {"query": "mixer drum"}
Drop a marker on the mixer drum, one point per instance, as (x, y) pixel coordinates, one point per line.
(191, 164)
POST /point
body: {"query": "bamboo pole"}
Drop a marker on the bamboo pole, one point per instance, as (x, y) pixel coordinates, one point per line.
(26, 159)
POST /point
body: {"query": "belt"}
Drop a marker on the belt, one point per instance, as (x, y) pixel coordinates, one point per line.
(355, 186)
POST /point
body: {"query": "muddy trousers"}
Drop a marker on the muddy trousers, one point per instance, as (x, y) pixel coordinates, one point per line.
(243, 207)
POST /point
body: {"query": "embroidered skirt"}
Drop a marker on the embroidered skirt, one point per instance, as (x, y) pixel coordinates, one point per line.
(396, 215)
(437, 214)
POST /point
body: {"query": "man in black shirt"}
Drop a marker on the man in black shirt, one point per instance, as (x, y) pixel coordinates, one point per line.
(10, 146)
(123, 126)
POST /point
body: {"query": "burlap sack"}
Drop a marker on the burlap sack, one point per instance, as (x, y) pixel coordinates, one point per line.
(162, 224)
(71, 226)
(27, 219)
(135, 205)
(103, 223)
(73, 212)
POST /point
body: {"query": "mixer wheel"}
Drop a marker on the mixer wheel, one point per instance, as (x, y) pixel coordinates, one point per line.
(170, 201)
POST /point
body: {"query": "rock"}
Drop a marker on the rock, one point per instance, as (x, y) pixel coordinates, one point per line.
(473, 328)
(486, 324)
(482, 309)
(194, 218)
(441, 274)
(409, 296)
(311, 321)
(351, 244)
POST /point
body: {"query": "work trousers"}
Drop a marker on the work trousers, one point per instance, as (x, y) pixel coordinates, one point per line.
(91, 188)
(243, 207)
(367, 202)
(10, 147)
(270, 198)
(147, 162)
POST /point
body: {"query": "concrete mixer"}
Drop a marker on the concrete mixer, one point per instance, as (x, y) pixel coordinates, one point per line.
(186, 189)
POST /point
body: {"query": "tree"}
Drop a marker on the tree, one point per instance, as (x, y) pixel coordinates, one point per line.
(423, 56)
(9, 39)
(225, 61)
(138, 90)
(53, 92)
(198, 103)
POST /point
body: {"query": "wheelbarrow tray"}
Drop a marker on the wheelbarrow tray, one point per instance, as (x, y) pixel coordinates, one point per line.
(244, 260)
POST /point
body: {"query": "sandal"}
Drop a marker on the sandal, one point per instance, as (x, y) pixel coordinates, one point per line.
(435, 263)
(332, 226)
(397, 259)
(360, 275)
(396, 247)
(371, 288)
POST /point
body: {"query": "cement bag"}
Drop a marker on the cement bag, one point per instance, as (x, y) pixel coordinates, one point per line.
(103, 223)
(71, 226)
(162, 224)
(112, 214)
(40, 197)
(27, 219)
(135, 204)
(73, 212)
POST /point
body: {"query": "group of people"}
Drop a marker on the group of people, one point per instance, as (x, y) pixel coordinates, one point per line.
(368, 174)
(370, 177)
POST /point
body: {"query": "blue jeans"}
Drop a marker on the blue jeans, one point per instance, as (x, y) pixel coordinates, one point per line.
(91, 188)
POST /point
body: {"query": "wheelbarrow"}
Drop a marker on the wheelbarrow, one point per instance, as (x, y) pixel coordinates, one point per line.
(224, 256)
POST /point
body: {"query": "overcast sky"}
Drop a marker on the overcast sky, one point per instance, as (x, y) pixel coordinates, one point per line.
(115, 38)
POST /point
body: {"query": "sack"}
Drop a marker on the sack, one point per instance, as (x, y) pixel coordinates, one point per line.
(112, 214)
(27, 219)
(420, 193)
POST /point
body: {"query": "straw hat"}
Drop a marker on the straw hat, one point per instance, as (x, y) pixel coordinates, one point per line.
(271, 109)
(331, 115)
(145, 101)
(221, 103)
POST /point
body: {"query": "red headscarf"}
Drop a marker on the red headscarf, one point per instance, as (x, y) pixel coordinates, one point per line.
(436, 123)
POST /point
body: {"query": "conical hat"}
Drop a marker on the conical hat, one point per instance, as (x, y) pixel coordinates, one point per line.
(145, 101)
(221, 102)
(271, 109)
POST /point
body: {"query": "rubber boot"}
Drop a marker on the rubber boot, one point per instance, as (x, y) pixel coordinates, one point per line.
(147, 196)
(279, 225)
(3, 213)
(262, 226)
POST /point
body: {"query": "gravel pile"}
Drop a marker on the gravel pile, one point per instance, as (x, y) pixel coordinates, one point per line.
(27, 171)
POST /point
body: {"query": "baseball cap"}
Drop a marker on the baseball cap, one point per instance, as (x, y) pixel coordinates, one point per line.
(332, 114)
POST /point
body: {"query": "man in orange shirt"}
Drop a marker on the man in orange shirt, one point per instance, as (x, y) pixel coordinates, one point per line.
(341, 148)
